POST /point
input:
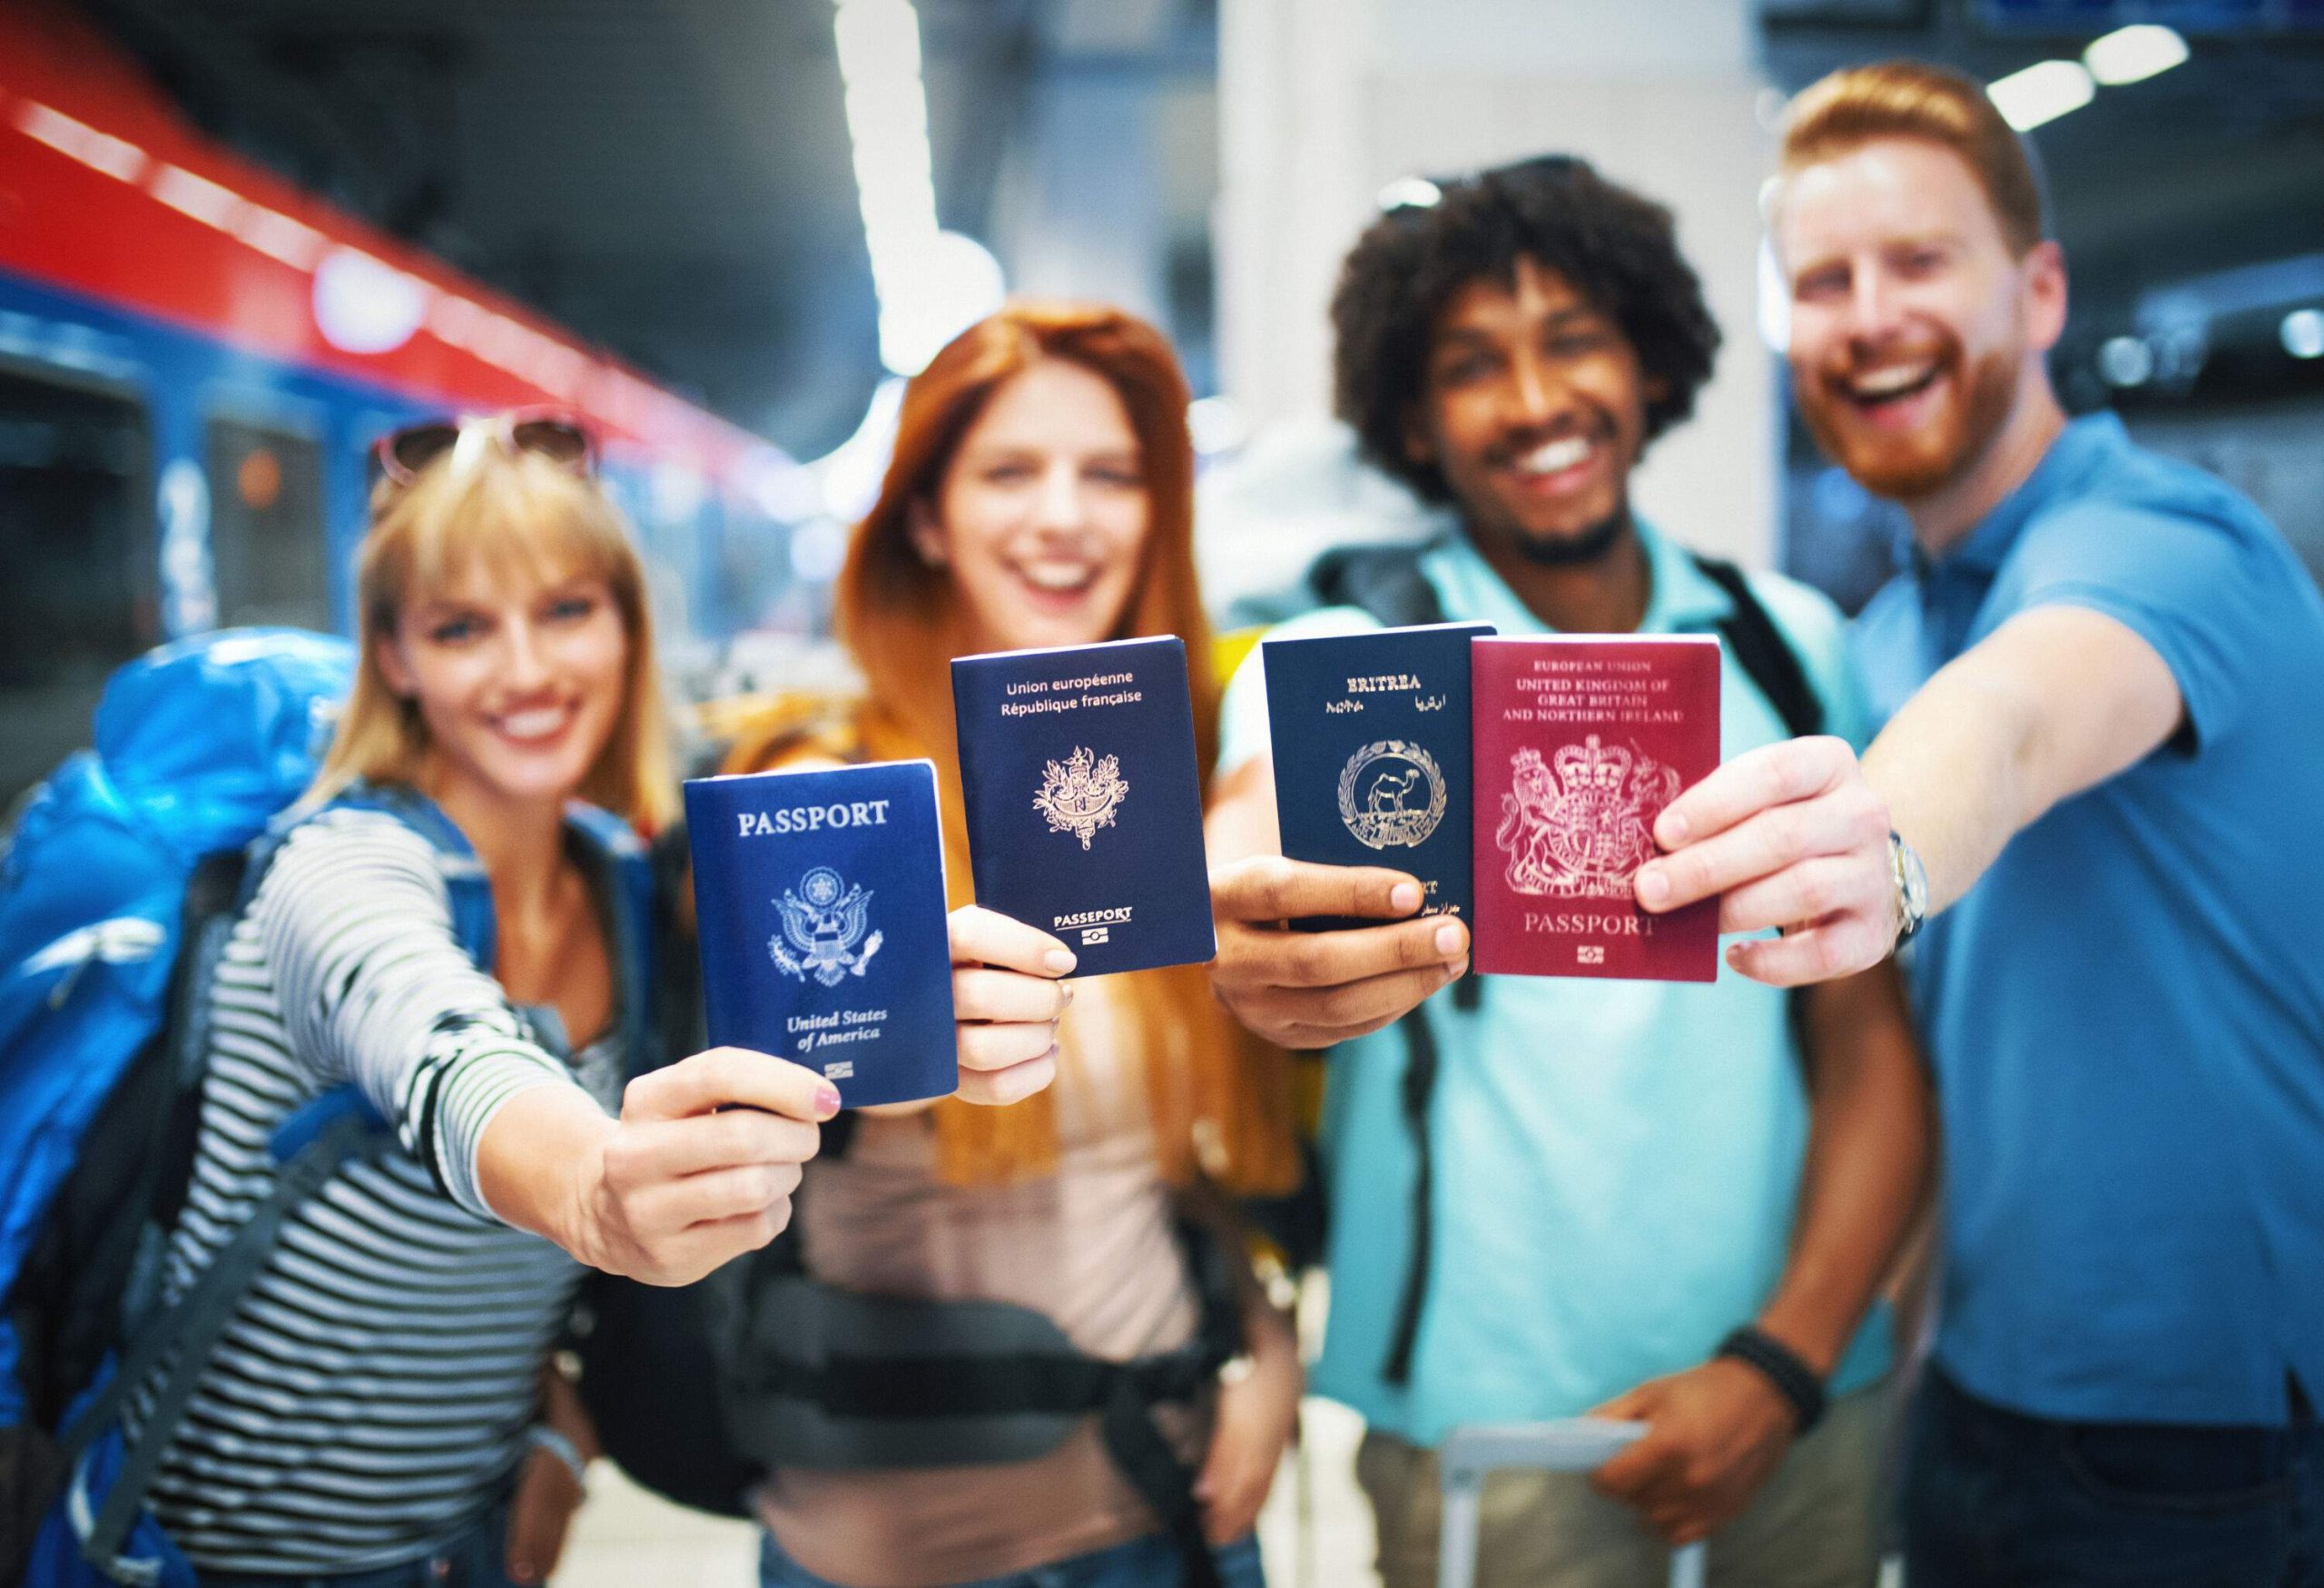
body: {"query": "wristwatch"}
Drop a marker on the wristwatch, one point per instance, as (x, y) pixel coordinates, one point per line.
(1912, 889)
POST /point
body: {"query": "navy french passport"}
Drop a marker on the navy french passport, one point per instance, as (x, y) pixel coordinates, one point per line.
(1371, 735)
(818, 897)
(1084, 807)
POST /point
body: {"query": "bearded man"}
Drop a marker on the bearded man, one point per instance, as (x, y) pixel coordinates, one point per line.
(2102, 762)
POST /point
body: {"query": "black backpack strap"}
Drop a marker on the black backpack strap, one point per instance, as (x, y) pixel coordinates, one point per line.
(1385, 581)
(1766, 658)
(184, 1335)
(1422, 1062)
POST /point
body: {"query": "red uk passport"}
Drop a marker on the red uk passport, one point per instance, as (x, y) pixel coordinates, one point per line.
(1581, 741)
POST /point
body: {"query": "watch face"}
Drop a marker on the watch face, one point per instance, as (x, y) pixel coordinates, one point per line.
(1911, 883)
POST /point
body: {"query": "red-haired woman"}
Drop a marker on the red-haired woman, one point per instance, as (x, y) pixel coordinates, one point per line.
(1041, 494)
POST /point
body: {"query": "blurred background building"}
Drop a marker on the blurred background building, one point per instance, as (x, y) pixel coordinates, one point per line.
(239, 238)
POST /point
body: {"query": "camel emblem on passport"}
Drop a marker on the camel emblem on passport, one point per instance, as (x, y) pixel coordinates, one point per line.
(1391, 793)
(1081, 795)
(1580, 826)
(823, 923)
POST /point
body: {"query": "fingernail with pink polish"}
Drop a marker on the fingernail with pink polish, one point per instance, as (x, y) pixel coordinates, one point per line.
(827, 1099)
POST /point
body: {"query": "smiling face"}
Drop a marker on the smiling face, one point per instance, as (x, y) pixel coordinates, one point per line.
(518, 677)
(1534, 411)
(1914, 329)
(1041, 517)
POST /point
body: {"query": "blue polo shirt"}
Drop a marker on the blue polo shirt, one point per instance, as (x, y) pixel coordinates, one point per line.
(2126, 1012)
(1617, 1163)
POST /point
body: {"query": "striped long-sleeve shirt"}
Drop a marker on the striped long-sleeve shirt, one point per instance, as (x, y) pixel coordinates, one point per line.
(372, 1390)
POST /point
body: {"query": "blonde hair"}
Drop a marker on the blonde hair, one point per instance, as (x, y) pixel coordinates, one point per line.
(513, 514)
(1909, 99)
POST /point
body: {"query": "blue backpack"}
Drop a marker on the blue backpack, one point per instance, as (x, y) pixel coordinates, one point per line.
(119, 889)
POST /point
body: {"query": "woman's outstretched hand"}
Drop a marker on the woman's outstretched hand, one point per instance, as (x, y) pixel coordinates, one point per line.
(1007, 996)
(699, 1168)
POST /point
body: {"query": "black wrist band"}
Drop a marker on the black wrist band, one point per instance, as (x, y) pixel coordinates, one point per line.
(1780, 1366)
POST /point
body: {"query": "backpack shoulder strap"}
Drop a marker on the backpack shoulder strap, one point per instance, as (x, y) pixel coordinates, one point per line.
(1385, 580)
(1763, 653)
(310, 1146)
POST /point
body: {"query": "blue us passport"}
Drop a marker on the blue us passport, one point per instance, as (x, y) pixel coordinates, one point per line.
(819, 898)
(1372, 737)
(1084, 806)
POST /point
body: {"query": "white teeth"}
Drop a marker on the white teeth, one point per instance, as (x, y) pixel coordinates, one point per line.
(1889, 381)
(533, 725)
(1553, 456)
(1057, 579)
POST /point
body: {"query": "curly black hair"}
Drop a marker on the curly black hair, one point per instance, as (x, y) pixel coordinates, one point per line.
(1616, 247)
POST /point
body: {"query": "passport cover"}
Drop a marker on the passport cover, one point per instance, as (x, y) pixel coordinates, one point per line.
(1084, 809)
(1372, 757)
(818, 897)
(1582, 740)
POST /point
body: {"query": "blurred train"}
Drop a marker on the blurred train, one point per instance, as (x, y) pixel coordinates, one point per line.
(195, 358)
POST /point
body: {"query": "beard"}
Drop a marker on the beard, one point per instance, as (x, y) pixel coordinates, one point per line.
(1565, 551)
(1908, 467)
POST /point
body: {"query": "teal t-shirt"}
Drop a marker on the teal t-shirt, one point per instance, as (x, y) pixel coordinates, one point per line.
(1617, 1163)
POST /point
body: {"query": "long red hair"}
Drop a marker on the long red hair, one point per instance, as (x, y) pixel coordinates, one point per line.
(1220, 1101)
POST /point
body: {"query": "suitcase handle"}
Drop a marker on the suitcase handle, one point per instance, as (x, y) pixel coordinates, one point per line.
(1567, 1445)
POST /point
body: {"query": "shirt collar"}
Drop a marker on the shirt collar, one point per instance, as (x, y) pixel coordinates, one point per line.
(2084, 445)
(1680, 598)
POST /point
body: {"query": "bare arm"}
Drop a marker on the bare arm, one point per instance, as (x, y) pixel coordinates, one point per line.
(1868, 1157)
(2055, 701)
(1795, 835)
(1715, 1432)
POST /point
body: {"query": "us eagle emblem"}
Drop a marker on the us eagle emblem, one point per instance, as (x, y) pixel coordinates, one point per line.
(822, 923)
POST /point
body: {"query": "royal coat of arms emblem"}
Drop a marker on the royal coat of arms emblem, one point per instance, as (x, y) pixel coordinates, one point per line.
(1580, 826)
(1391, 793)
(824, 922)
(1081, 795)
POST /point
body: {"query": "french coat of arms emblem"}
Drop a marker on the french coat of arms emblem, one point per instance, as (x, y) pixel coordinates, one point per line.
(824, 922)
(1580, 826)
(1391, 793)
(1082, 795)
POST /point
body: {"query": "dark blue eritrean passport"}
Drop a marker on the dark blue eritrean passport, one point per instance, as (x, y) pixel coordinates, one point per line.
(1084, 807)
(819, 898)
(1371, 735)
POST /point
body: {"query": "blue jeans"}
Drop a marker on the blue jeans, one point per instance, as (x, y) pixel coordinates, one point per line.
(1151, 1562)
(476, 1557)
(1993, 1499)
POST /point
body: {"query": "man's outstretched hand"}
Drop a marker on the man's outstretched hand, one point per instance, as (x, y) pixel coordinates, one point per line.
(1311, 989)
(1789, 836)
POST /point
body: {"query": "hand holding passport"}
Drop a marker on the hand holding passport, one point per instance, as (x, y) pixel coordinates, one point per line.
(820, 900)
(1517, 779)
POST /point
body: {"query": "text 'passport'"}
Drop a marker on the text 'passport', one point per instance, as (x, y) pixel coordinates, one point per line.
(820, 898)
(1581, 741)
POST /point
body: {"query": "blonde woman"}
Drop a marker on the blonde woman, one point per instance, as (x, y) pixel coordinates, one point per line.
(377, 1407)
(1041, 494)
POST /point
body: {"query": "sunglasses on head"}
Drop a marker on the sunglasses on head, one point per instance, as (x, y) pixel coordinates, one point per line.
(559, 437)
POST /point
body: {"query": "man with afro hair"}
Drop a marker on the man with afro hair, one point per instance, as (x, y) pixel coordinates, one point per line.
(1672, 1203)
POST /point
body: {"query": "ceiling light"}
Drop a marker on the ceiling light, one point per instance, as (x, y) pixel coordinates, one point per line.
(2041, 92)
(1409, 193)
(2126, 362)
(2303, 334)
(2133, 55)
